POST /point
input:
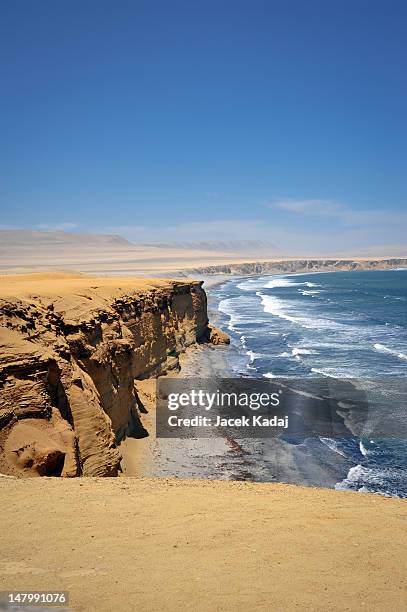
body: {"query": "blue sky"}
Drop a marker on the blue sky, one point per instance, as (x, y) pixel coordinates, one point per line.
(244, 119)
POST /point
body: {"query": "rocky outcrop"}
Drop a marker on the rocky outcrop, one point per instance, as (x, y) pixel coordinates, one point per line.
(217, 336)
(302, 265)
(68, 365)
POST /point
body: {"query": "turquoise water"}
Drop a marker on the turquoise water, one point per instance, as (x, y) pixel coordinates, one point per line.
(339, 325)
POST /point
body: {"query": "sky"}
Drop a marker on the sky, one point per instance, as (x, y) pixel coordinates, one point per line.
(188, 120)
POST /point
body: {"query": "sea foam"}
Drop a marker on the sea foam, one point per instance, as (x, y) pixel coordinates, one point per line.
(385, 349)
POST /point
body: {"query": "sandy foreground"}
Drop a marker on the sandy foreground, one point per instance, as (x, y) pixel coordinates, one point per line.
(150, 544)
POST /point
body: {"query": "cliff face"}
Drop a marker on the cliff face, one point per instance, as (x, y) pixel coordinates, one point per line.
(302, 265)
(68, 361)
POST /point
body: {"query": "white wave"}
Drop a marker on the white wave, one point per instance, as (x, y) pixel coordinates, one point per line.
(363, 449)
(252, 355)
(382, 348)
(279, 308)
(268, 375)
(226, 307)
(364, 479)
(296, 352)
(335, 374)
(239, 310)
(302, 351)
(355, 474)
(287, 282)
(280, 282)
(308, 292)
(334, 346)
(274, 306)
(246, 285)
(333, 445)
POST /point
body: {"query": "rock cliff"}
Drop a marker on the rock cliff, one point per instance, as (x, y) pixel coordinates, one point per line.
(302, 265)
(70, 351)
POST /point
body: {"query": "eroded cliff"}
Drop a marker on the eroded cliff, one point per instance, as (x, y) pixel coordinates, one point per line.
(70, 351)
(280, 266)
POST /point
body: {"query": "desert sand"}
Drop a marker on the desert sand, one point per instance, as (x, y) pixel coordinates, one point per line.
(69, 285)
(147, 544)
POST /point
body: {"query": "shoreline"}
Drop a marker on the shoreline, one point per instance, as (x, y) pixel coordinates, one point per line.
(222, 458)
(181, 458)
(314, 463)
(214, 280)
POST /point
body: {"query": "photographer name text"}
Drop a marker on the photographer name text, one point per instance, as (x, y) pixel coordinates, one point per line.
(242, 421)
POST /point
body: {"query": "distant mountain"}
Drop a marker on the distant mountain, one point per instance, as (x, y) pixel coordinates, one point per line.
(237, 247)
(29, 249)
(32, 238)
(45, 239)
(22, 250)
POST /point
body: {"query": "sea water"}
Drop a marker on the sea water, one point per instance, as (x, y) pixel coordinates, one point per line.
(340, 325)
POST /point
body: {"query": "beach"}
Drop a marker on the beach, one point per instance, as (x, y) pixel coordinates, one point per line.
(209, 458)
(220, 457)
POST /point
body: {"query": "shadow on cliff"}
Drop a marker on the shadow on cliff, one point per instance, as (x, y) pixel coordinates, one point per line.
(136, 428)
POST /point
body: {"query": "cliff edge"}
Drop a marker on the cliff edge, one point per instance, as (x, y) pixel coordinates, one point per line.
(308, 265)
(71, 348)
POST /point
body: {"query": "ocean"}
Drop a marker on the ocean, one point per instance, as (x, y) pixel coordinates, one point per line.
(340, 325)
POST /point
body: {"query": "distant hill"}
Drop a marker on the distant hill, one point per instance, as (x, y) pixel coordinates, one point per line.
(36, 250)
(106, 254)
(237, 247)
(32, 238)
(30, 250)
(23, 242)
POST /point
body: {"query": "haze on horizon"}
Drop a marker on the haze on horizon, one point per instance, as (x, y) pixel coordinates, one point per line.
(276, 122)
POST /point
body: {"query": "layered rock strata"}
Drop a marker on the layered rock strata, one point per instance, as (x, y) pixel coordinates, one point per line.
(69, 358)
(301, 265)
